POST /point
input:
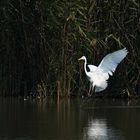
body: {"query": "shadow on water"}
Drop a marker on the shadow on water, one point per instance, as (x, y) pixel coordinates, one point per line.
(69, 119)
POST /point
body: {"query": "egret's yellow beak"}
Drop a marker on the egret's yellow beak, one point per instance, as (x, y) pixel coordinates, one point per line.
(80, 58)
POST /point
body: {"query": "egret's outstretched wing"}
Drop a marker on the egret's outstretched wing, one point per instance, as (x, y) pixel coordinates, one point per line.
(92, 67)
(110, 61)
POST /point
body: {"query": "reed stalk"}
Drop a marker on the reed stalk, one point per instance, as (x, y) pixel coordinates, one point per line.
(42, 40)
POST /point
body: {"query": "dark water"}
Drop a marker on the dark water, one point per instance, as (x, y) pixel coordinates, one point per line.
(69, 119)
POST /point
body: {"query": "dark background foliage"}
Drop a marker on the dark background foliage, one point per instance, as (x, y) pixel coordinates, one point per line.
(42, 40)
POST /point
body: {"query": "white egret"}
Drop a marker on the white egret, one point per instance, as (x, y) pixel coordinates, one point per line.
(98, 75)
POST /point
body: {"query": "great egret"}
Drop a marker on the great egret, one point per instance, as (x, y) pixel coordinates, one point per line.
(98, 75)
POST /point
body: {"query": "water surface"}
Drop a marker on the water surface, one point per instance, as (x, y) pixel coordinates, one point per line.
(67, 119)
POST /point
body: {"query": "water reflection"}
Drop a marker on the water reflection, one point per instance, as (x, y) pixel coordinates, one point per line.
(69, 120)
(97, 129)
(112, 120)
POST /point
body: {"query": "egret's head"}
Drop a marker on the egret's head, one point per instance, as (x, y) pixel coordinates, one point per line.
(82, 58)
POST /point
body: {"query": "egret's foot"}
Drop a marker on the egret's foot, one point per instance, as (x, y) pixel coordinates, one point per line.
(92, 95)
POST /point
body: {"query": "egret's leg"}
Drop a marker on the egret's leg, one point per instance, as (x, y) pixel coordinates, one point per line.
(93, 91)
(90, 89)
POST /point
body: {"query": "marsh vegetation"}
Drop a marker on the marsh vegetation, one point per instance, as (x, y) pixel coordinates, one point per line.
(42, 40)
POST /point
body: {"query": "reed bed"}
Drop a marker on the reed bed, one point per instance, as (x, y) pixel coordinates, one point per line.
(42, 40)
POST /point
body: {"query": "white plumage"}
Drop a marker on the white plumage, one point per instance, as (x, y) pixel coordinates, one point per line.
(98, 75)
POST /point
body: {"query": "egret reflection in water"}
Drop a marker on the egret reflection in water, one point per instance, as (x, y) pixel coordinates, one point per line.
(97, 129)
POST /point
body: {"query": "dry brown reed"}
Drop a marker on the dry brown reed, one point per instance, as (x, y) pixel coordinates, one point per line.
(42, 40)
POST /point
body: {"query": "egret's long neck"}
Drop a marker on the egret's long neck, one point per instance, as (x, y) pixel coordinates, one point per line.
(85, 66)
